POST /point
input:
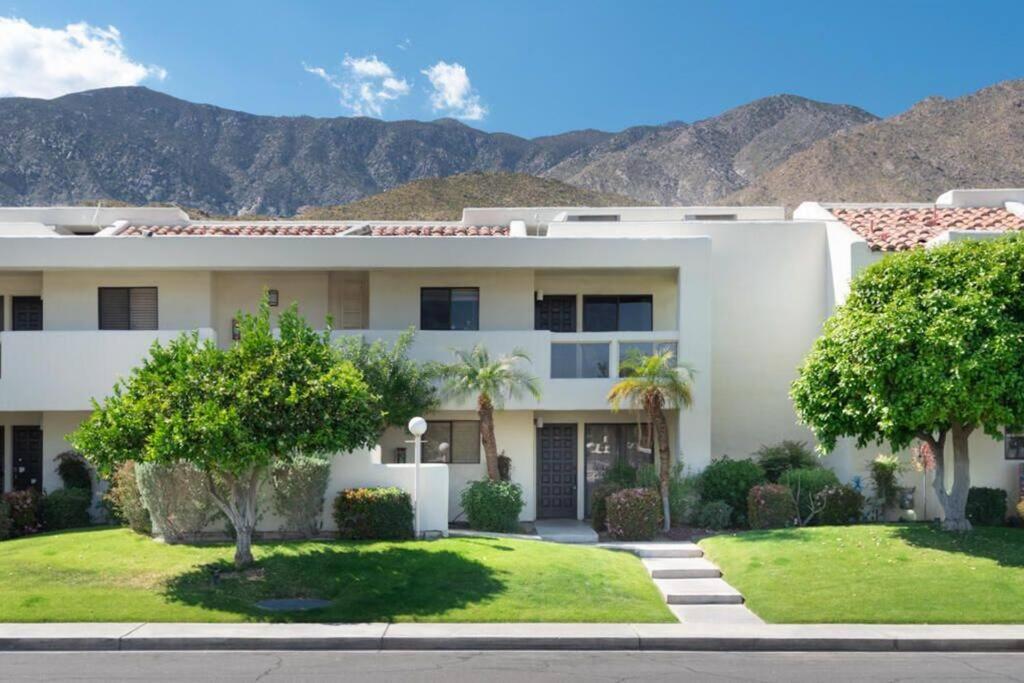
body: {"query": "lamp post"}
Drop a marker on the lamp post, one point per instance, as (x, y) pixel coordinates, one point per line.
(418, 427)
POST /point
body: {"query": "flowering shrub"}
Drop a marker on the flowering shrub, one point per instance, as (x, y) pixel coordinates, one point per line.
(770, 506)
(599, 503)
(373, 513)
(634, 514)
(24, 510)
(842, 505)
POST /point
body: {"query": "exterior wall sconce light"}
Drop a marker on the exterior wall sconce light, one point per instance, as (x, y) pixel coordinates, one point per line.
(273, 297)
(236, 330)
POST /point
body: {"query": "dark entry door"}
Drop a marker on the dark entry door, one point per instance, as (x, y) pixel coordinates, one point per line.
(555, 312)
(556, 471)
(27, 458)
(26, 313)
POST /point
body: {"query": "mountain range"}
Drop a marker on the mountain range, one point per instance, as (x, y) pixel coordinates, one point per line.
(140, 146)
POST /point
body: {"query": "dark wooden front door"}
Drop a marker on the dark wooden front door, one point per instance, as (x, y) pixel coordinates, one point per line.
(555, 312)
(556, 471)
(27, 458)
(26, 313)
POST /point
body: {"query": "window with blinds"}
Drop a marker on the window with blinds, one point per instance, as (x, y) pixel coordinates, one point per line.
(128, 308)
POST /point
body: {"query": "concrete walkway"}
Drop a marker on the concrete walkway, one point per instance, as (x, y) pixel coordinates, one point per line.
(565, 531)
(692, 586)
(690, 636)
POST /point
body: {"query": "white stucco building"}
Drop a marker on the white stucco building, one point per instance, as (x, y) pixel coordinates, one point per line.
(739, 292)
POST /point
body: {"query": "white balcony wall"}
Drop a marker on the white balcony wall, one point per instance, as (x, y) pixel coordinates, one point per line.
(63, 370)
(71, 298)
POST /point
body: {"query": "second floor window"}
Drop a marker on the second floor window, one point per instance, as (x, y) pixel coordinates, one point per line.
(618, 313)
(128, 308)
(449, 308)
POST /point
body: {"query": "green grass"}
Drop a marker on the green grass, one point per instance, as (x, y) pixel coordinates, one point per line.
(115, 575)
(896, 574)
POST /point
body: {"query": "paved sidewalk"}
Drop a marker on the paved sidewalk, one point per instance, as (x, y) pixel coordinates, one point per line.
(690, 637)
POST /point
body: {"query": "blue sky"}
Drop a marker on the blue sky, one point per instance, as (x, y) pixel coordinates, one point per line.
(528, 67)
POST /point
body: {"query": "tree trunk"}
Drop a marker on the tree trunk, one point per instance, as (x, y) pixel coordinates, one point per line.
(486, 412)
(953, 502)
(238, 503)
(664, 458)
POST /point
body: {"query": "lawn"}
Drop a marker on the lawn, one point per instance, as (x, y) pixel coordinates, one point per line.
(897, 574)
(116, 575)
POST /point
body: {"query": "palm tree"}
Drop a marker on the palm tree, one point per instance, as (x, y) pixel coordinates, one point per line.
(654, 384)
(491, 381)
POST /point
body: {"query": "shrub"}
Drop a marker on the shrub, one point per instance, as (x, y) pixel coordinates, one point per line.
(647, 477)
(493, 505)
(374, 513)
(842, 505)
(599, 504)
(504, 467)
(716, 514)
(885, 472)
(177, 498)
(124, 501)
(785, 456)
(730, 481)
(986, 506)
(634, 514)
(683, 496)
(297, 493)
(6, 525)
(806, 485)
(770, 506)
(74, 471)
(620, 472)
(23, 508)
(66, 509)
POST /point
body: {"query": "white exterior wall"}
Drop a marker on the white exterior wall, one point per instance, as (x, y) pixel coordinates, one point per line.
(242, 291)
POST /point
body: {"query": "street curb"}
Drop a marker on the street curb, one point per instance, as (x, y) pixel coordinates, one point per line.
(637, 637)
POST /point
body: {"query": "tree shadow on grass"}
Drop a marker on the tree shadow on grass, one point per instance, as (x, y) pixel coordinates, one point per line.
(363, 583)
(1003, 544)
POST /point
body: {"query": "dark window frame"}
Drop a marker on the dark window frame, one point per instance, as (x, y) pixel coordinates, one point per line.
(449, 291)
(539, 312)
(15, 301)
(451, 445)
(623, 451)
(1013, 446)
(128, 291)
(618, 300)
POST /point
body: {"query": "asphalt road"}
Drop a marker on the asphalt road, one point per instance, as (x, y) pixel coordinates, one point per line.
(535, 667)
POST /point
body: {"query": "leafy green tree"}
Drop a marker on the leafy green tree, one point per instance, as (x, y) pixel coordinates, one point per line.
(406, 387)
(490, 381)
(928, 346)
(235, 412)
(654, 384)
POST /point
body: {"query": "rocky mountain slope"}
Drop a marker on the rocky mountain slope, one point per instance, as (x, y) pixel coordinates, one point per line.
(939, 144)
(442, 199)
(140, 146)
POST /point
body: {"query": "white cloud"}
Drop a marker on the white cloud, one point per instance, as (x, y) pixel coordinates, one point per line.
(366, 85)
(45, 62)
(453, 94)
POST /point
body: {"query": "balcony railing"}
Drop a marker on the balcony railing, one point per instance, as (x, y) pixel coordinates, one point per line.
(64, 370)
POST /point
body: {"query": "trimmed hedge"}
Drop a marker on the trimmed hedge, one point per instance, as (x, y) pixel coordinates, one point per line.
(373, 513)
(634, 514)
(770, 506)
(123, 500)
(493, 505)
(298, 488)
(730, 481)
(843, 505)
(66, 508)
(986, 506)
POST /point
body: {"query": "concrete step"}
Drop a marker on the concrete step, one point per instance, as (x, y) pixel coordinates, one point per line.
(719, 615)
(698, 592)
(681, 568)
(650, 550)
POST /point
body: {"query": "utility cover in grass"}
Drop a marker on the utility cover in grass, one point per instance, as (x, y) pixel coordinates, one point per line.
(292, 604)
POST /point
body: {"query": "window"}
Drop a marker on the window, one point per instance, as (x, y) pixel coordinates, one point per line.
(456, 442)
(128, 308)
(1013, 446)
(555, 312)
(618, 313)
(606, 443)
(579, 361)
(627, 349)
(449, 308)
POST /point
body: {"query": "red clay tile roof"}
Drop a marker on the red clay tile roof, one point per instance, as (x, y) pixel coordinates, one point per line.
(308, 230)
(438, 231)
(899, 229)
